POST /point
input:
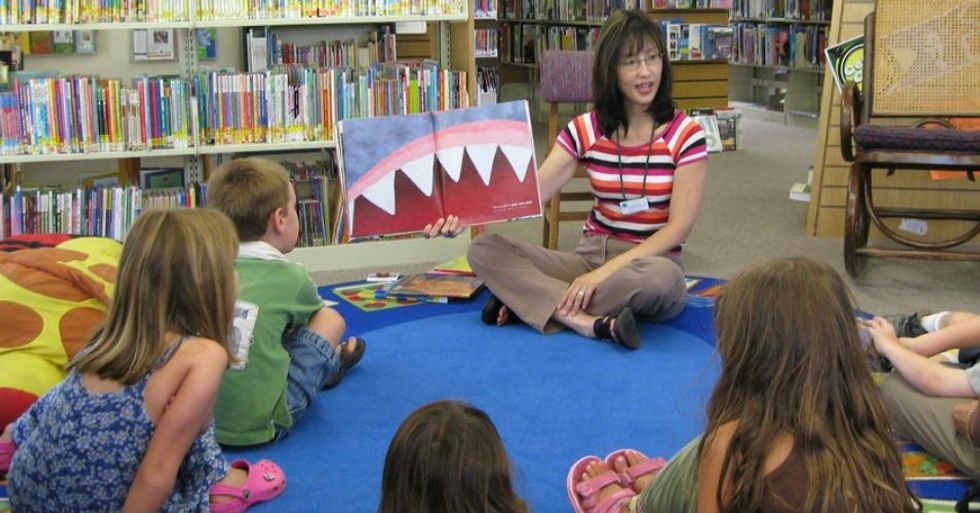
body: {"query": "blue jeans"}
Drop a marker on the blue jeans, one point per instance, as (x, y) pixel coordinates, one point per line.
(312, 361)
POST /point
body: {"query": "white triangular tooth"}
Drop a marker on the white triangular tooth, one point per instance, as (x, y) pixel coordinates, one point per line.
(419, 171)
(482, 157)
(382, 193)
(519, 158)
(452, 161)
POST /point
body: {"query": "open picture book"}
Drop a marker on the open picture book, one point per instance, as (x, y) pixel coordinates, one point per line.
(400, 173)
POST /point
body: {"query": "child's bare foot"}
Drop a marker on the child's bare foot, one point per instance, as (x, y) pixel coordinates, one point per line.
(595, 469)
(631, 459)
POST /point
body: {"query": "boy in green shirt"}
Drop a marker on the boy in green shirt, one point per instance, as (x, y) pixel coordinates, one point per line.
(287, 342)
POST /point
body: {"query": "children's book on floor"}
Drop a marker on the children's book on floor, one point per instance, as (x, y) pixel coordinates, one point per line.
(458, 265)
(453, 286)
(400, 173)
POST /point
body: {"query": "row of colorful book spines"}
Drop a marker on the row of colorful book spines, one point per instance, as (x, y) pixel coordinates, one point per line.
(246, 100)
(236, 9)
(154, 115)
(567, 9)
(108, 11)
(763, 46)
(107, 211)
(64, 115)
(110, 212)
(316, 121)
(794, 9)
(321, 56)
(91, 11)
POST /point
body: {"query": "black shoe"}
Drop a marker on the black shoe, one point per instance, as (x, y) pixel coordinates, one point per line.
(624, 331)
(491, 309)
(908, 325)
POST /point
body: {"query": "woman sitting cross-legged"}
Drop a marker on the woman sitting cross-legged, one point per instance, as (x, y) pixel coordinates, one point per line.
(795, 422)
(647, 166)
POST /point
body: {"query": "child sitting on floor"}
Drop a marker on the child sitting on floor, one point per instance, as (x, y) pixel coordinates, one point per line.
(447, 456)
(931, 401)
(288, 343)
(795, 422)
(130, 428)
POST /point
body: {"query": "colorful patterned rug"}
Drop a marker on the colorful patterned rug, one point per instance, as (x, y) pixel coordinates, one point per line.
(935, 481)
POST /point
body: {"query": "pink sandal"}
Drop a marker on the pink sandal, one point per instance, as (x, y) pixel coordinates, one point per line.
(647, 466)
(6, 455)
(583, 494)
(265, 482)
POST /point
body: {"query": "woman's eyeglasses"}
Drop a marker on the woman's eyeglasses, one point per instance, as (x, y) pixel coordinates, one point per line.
(633, 62)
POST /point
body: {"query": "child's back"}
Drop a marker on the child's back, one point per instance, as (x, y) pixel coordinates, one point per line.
(287, 342)
(130, 428)
(80, 445)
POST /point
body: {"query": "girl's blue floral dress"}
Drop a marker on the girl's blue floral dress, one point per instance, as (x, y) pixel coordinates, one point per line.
(79, 451)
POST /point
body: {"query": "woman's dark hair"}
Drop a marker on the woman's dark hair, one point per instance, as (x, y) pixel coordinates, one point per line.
(624, 33)
(447, 457)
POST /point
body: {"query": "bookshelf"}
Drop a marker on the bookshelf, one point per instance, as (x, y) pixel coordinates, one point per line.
(698, 83)
(448, 39)
(777, 53)
(487, 52)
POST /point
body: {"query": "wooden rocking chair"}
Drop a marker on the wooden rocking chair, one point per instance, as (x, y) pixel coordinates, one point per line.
(918, 63)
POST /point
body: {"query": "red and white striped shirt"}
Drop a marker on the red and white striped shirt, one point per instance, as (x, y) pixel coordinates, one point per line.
(678, 145)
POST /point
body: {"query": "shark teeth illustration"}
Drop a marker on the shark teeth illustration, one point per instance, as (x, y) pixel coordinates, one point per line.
(519, 158)
(382, 193)
(482, 157)
(419, 171)
(452, 161)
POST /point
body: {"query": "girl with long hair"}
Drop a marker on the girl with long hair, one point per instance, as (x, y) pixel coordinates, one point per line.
(130, 428)
(795, 421)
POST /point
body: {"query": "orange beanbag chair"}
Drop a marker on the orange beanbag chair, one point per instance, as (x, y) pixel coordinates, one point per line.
(54, 291)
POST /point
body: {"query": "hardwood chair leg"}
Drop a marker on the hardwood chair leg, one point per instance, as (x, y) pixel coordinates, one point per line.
(856, 225)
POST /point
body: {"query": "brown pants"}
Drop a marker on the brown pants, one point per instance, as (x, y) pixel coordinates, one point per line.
(929, 422)
(531, 280)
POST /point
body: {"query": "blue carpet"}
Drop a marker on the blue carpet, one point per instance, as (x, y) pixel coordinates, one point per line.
(553, 398)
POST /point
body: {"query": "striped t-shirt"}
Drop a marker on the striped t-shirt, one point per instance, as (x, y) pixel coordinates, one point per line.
(681, 143)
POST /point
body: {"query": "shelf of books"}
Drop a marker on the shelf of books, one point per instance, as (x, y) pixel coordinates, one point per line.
(777, 49)
(486, 39)
(292, 105)
(697, 32)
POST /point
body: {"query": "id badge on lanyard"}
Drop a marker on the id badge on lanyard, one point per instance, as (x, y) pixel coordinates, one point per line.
(632, 206)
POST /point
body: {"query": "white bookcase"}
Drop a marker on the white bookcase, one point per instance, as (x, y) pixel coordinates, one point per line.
(455, 49)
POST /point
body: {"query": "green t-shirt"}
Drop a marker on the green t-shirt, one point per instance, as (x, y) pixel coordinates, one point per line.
(252, 399)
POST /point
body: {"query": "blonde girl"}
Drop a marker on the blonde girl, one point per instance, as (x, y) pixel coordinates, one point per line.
(130, 428)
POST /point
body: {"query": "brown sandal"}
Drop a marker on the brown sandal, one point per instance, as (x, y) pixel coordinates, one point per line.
(348, 358)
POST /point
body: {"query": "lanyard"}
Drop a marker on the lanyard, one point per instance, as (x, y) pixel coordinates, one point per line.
(646, 165)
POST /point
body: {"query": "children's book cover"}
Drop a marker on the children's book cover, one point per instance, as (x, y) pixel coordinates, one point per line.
(458, 286)
(400, 173)
(845, 61)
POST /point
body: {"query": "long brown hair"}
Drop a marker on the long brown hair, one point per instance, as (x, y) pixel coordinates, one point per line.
(792, 363)
(176, 274)
(447, 457)
(625, 32)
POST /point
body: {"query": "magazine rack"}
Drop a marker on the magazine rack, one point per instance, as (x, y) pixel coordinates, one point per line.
(917, 66)
(566, 77)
